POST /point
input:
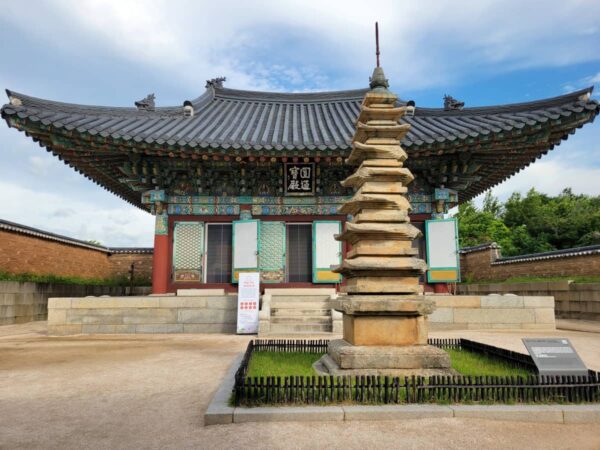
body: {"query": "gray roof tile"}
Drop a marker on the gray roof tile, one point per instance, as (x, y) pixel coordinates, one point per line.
(236, 120)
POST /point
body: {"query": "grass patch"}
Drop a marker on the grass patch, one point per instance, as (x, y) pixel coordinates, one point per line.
(59, 279)
(282, 364)
(285, 364)
(474, 364)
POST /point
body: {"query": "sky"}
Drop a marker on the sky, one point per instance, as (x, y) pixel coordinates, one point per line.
(115, 52)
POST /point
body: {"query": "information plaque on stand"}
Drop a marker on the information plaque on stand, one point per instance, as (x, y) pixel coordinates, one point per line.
(248, 299)
(555, 357)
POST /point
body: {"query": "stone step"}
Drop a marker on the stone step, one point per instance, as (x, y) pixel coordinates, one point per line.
(300, 319)
(300, 312)
(285, 328)
(299, 298)
(300, 305)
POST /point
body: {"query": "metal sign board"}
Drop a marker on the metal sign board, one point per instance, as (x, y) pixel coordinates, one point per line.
(555, 357)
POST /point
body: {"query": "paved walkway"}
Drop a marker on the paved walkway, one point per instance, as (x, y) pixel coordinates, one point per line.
(151, 391)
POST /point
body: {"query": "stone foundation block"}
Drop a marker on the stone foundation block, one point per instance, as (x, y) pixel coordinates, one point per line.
(501, 301)
(182, 302)
(59, 303)
(199, 292)
(114, 302)
(348, 356)
(151, 315)
(57, 316)
(107, 329)
(538, 302)
(483, 316)
(228, 302)
(544, 315)
(209, 327)
(442, 315)
(206, 315)
(159, 328)
(456, 301)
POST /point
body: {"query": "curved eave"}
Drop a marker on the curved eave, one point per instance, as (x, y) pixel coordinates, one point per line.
(241, 123)
(231, 120)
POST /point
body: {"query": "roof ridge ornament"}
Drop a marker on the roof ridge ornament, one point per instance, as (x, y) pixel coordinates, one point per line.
(378, 81)
(215, 82)
(146, 104)
(452, 104)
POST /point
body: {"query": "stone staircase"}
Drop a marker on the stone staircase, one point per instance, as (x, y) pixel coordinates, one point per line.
(296, 311)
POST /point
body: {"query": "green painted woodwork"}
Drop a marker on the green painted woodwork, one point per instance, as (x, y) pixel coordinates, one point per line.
(272, 252)
(188, 251)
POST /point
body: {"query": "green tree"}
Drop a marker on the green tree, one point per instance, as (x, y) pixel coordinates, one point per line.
(477, 227)
(533, 223)
(491, 204)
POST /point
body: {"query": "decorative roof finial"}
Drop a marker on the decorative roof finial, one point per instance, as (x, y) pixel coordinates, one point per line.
(146, 104)
(450, 103)
(216, 82)
(378, 81)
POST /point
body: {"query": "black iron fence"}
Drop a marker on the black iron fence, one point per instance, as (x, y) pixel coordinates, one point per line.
(253, 391)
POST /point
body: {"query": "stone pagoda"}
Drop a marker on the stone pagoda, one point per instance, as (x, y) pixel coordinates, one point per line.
(383, 307)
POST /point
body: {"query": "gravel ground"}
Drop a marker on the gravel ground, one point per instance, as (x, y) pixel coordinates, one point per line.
(151, 392)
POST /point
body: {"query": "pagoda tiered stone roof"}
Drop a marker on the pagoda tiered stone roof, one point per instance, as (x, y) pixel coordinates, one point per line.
(469, 150)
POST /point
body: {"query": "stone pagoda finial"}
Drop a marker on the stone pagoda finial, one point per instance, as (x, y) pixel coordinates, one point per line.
(378, 81)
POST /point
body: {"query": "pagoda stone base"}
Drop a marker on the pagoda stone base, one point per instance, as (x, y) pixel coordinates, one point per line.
(384, 319)
(343, 358)
(387, 330)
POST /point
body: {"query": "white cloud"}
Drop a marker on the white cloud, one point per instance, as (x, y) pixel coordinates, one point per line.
(117, 226)
(423, 43)
(594, 78)
(574, 164)
(40, 165)
(293, 45)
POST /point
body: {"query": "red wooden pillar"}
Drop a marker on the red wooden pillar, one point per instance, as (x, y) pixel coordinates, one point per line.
(441, 288)
(160, 259)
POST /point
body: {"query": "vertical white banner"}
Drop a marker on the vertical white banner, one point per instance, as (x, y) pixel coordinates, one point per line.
(248, 298)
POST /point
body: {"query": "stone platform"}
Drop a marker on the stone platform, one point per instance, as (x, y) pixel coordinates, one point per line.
(190, 312)
(384, 319)
(343, 358)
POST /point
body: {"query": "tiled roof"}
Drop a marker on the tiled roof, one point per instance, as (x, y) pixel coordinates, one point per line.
(469, 150)
(36, 232)
(230, 118)
(565, 253)
(478, 248)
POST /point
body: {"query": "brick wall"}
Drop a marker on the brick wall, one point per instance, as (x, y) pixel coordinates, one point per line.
(23, 253)
(121, 262)
(483, 265)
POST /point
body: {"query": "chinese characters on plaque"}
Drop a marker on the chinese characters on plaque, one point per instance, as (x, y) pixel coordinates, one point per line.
(299, 178)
